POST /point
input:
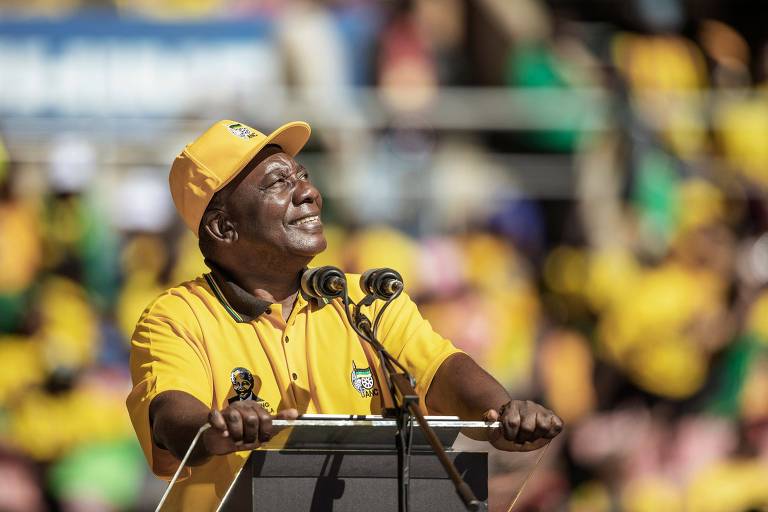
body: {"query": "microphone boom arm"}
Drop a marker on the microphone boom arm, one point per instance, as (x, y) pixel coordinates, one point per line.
(401, 385)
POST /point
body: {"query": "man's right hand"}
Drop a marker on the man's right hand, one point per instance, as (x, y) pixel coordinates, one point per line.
(243, 425)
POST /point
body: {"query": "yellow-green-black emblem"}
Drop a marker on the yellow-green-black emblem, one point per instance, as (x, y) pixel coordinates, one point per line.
(241, 131)
(362, 381)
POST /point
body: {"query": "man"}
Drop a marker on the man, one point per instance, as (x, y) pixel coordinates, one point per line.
(242, 345)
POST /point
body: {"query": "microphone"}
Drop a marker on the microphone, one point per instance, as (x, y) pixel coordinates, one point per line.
(323, 282)
(382, 283)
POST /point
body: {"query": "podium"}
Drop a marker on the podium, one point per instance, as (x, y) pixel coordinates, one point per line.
(347, 463)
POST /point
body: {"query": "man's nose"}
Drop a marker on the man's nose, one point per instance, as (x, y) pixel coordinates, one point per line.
(305, 192)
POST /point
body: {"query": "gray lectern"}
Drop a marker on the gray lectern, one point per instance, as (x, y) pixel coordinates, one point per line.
(349, 463)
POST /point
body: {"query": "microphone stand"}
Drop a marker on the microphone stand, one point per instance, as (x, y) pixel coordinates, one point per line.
(406, 408)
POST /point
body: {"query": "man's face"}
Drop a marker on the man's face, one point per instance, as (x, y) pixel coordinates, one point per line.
(276, 206)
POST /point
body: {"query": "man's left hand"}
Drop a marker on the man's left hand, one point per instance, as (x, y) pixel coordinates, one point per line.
(525, 426)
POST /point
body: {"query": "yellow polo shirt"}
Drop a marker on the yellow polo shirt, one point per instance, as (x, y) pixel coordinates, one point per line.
(192, 339)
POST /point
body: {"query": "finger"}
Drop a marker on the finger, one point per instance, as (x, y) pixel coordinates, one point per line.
(265, 426)
(287, 414)
(527, 424)
(556, 426)
(491, 415)
(511, 422)
(234, 424)
(544, 425)
(250, 426)
(217, 421)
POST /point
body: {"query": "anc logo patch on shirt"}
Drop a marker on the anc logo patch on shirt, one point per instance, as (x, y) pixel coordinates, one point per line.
(362, 381)
(241, 131)
(243, 382)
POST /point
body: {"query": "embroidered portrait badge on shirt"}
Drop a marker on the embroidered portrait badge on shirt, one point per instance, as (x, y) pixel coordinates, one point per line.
(362, 381)
(242, 382)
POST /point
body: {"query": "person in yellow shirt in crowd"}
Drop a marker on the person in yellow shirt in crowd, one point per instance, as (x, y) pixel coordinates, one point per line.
(243, 345)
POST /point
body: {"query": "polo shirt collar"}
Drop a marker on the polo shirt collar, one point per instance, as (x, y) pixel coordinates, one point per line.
(243, 306)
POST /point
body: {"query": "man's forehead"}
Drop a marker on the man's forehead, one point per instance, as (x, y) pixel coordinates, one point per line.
(278, 161)
(268, 162)
(266, 152)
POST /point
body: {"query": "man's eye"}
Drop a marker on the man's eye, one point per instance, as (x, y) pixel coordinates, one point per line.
(277, 182)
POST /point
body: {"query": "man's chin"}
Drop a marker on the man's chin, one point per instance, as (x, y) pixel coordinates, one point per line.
(310, 249)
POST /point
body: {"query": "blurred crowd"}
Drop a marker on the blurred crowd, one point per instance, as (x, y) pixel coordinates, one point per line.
(634, 305)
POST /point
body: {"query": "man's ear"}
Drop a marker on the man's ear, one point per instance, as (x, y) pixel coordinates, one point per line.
(219, 226)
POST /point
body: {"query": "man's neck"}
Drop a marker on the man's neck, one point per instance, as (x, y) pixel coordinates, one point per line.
(278, 284)
(272, 288)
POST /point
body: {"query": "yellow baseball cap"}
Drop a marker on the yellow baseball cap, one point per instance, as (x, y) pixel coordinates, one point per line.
(210, 162)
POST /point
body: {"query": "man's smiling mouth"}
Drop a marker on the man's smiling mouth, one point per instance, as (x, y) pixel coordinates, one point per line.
(312, 219)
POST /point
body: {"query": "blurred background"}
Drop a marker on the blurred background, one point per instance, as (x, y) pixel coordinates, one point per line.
(575, 191)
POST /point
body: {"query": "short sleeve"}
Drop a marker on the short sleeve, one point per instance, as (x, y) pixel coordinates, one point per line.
(166, 354)
(410, 338)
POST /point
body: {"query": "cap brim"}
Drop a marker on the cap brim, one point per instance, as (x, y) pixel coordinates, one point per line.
(291, 137)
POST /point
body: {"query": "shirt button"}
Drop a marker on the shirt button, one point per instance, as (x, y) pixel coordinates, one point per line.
(286, 339)
(295, 376)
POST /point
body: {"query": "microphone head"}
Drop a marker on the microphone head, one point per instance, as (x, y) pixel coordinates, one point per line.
(323, 282)
(366, 280)
(382, 283)
(393, 286)
(305, 283)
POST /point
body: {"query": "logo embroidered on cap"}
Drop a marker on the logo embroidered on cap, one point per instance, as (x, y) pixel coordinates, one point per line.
(241, 131)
